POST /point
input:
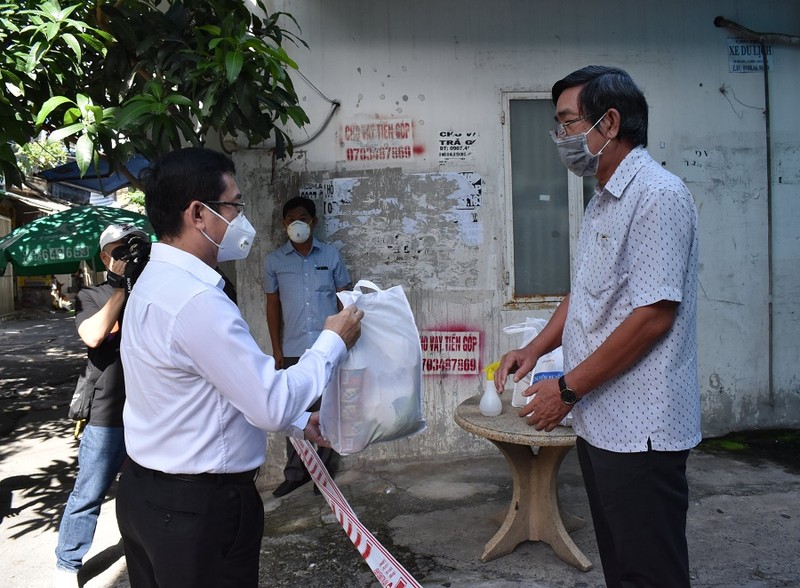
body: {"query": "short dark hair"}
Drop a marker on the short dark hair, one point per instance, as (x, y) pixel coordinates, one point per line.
(174, 180)
(607, 87)
(300, 202)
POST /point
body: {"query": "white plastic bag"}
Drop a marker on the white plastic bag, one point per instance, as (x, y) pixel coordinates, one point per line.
(376, 393)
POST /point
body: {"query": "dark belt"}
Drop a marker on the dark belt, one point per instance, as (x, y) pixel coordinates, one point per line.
(207, 478)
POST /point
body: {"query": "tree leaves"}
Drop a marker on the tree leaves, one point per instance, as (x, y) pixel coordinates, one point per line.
(233, 65)
(112, 78)
(48, 107)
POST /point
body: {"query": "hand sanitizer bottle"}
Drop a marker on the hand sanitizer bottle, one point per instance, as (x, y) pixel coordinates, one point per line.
(490, 401)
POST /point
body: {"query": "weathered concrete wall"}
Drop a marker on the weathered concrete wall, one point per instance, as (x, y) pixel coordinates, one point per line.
(432, 212)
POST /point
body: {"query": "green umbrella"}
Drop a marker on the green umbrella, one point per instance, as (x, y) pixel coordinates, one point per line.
(56, 244)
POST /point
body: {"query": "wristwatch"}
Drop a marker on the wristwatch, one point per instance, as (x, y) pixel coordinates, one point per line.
(568, 395)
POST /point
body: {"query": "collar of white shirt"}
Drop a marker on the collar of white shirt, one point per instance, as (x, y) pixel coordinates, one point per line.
(185, 260)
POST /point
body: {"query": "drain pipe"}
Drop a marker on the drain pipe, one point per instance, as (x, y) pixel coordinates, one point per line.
(770, 289)
(763, 39)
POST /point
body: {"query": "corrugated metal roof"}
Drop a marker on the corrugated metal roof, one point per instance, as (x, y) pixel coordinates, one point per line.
(101, 179)
(43, 205)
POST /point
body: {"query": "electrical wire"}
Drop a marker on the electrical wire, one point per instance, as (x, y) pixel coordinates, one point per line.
(335, 104)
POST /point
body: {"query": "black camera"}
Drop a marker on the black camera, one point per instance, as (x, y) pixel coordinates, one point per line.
(135, 252)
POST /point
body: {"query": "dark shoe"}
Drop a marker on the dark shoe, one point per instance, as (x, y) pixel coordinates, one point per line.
(288, 486)
(333, 468)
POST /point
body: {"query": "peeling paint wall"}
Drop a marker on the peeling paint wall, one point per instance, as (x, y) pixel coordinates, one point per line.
(421, 229)
(409, 175)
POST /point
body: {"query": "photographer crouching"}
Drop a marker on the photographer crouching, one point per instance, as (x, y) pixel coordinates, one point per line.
(124, 250)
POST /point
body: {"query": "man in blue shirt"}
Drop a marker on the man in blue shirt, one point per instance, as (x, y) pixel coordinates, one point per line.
(301, 279)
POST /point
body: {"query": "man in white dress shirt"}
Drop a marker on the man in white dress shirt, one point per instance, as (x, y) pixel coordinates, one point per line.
(201, 393)
(628, 328)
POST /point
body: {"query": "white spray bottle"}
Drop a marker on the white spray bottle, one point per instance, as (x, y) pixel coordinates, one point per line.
(490, 401)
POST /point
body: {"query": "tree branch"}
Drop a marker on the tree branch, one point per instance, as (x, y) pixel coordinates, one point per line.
(774, 38)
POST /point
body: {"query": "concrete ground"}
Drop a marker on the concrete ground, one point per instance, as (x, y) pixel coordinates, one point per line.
(434, 517)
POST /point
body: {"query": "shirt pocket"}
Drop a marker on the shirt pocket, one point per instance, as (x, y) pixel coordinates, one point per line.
(323, 280)
(603, 268)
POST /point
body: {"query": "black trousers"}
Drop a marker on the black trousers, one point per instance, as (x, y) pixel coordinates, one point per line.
(638, 503)
(189, 532)
(295, 469)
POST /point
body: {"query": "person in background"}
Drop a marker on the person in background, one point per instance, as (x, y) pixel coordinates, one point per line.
(78, 281)
(301, 279)
(200, 392)
(102, 448)
(628, 328)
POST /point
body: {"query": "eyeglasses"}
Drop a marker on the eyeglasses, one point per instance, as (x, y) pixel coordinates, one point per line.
(239, 205)
(560, 131)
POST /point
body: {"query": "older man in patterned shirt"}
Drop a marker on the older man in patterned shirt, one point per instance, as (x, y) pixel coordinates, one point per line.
(628, 329)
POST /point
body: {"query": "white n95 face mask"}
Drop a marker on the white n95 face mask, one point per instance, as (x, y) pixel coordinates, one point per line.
(237, 240)
(299, 231)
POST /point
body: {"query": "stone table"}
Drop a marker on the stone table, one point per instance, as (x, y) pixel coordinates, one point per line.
(534, 457)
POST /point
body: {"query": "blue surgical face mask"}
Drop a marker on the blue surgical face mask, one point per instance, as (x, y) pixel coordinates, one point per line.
(575, 155)
(237, 240)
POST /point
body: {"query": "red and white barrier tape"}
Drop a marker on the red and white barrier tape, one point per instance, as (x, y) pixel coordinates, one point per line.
(386, 568)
